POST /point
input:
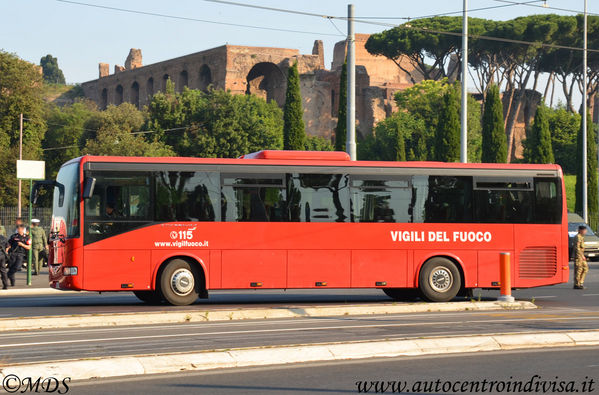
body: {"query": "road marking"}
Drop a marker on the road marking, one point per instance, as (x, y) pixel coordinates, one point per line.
(545, 297)
(381, 317)
(590, 295)
(279, 330)
(523, 316)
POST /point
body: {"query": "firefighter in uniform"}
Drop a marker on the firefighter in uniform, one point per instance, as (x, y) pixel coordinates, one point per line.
(581, 265)
(19, 245)
(39, 243)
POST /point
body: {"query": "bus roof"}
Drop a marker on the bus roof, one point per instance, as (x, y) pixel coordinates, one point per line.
(313, 158)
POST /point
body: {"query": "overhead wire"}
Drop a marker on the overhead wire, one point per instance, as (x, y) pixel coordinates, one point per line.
(545, 6)
(194, 19)
(408, 18)
(408, 26)
(363, 21)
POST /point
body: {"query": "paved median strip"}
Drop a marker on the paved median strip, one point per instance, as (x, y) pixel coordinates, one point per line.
(217, 359)
(171, 317)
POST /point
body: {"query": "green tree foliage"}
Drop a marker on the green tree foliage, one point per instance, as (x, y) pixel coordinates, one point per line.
(564, 126)
(115, 134)
(423, 101)
(50, 70)
(420, 46)
(294, 132)
(388, 142)
(215, 124)
(20, 92)
(494, 145)
(420, 51)
(593, 203)
(317, 143)
(537, 147)
(65, 131)
(341, 130)
(447, 135)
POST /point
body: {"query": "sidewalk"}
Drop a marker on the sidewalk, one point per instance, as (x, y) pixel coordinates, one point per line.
(39, 281)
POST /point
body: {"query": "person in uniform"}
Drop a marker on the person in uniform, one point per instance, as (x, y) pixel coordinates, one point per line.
(39, 243)
(19, 222)
(19, 245)
(581, 265)
(4, 261)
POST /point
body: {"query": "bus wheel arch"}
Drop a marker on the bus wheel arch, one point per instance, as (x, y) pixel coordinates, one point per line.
(440, 278)
(178, 273)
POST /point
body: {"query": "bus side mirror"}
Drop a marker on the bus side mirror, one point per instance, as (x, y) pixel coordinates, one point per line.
(47, 183)
(88, 187)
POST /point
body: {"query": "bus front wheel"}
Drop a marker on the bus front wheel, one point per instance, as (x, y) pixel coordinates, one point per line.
(439, 280)
(179, 283)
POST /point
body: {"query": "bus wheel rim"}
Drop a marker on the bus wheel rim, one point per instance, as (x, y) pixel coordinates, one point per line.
(441, 279)
(182, 282)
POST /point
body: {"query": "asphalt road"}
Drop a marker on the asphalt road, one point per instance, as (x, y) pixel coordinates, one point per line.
(562, 309)
(50, 345)
(575, 365)
(556, 296)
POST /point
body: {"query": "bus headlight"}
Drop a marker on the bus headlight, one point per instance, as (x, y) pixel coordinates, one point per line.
(69, 271)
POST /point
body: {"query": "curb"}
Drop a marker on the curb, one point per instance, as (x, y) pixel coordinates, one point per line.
(170, 317)
(35, 292)
(166, 363)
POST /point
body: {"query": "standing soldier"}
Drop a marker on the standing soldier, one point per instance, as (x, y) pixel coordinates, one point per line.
(39, 243)
(19, 245)
(581, 265)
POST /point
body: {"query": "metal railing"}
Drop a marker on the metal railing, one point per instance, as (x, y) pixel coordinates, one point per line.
(8, 216)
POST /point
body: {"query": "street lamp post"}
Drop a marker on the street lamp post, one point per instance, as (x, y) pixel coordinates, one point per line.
(464, 114)
(585, 203)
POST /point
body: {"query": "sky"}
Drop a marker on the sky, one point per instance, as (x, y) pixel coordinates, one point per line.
(82, 36)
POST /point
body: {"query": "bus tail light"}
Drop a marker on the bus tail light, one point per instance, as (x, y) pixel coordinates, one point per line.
(380, 284)
(321, 284)
(69, 271)
(255, 285)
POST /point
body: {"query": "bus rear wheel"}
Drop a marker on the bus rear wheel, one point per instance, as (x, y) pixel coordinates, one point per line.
(439, 280)
(179, 283)
(150, 297)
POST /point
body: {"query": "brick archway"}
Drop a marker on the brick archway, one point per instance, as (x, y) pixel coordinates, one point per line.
(268, 81)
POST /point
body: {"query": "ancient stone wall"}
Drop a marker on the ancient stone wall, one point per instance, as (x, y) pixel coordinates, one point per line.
(261, 71)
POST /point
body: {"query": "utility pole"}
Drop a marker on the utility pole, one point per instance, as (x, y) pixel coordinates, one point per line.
(585, 203)
(464, 114)
(20, 158)
(351, 84)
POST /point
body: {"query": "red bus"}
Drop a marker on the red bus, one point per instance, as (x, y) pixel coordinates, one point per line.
(173, 229)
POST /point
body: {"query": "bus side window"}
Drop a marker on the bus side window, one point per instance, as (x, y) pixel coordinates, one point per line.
(186, 196)
(503, 200)
(446, 198)
(547, 201)
(318, 197)
(380, 200)
(253, 198)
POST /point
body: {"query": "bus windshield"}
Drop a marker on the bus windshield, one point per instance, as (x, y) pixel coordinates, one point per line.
(69, 210)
